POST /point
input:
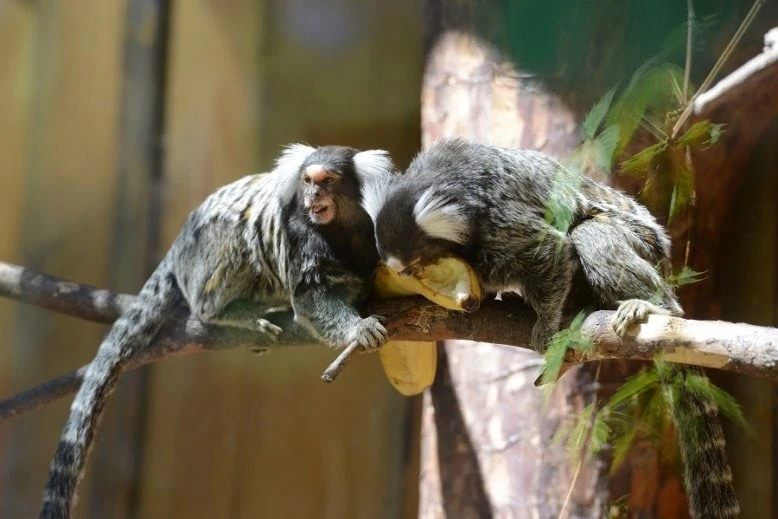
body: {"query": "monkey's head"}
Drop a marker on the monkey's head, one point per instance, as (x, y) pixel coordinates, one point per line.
(330, 179)
(416, 227)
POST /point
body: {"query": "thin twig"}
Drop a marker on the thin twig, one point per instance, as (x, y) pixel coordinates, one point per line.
(687, 111)
(584, 448)
(689, 39)
(340, 362)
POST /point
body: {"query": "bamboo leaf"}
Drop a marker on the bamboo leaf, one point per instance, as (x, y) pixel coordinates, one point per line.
(683, 189)
(621, 447)
(607, 141)
(701, 134)
(634, 386)
(643, 160)
(726, 403)
(553, 358)
(686, 276)
(596, 115)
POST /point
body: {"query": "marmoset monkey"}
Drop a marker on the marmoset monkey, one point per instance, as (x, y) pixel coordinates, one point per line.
(490, 206)
(297, 234)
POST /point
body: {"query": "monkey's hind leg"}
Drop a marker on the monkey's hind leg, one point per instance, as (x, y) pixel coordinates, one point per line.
(222, 297)
(240, 314)
(619, 274)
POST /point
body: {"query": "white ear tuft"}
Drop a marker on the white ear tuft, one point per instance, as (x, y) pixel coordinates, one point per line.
(375, 171)
(373, 163)
(292, 158)
(374, 193)
(441, 217)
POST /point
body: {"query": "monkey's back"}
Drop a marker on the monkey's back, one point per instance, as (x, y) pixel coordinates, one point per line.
(235, 243)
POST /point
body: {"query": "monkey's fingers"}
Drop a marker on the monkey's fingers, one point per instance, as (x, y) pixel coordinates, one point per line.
(271, 330)
(337, 365)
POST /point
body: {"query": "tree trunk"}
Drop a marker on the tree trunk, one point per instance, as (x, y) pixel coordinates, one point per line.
(486, 448)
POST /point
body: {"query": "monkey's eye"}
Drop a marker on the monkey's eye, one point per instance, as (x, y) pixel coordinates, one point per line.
(306, 179)
(329, 180)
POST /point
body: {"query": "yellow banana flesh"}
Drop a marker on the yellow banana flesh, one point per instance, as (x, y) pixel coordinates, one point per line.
(410, 366)
(450, 282)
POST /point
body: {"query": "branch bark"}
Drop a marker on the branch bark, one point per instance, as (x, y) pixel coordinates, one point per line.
(737, 347)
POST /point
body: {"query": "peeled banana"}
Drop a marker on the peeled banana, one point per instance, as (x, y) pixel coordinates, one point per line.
(451, 283)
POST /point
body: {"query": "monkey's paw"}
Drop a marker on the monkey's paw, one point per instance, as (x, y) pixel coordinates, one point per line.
(633, 311)
(370, 333)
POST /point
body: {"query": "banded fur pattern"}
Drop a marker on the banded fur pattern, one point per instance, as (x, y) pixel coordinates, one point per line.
(707, 474)
(254, 239)
(131, 332)
(491, 205)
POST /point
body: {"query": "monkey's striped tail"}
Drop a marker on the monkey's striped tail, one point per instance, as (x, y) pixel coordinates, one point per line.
(131, 333)
(701, 441)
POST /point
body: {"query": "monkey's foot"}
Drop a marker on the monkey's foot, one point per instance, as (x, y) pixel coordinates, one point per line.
(267, 328)
(633, 311)
(370, 333)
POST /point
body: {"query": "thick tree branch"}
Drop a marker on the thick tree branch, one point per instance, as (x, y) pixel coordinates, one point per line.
(741, 348)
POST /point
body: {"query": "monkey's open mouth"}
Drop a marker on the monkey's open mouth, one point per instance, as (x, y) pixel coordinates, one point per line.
(322, 212)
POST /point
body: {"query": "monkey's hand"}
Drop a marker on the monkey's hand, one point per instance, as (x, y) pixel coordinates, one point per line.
(633, 311)
(370, 334)
(328, 311)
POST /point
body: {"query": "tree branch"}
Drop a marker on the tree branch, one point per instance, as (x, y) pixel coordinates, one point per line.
(741, 348)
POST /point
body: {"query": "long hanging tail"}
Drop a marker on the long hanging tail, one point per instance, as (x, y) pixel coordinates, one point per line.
(618, 251)
(701, 440)
(130, 333)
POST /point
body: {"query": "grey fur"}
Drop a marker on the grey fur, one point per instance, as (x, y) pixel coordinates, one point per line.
(252, 239)
(489, 205)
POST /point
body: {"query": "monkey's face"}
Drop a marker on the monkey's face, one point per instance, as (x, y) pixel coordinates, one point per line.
(414, 229)
(403, 246)
(321, 187)
(411, 260)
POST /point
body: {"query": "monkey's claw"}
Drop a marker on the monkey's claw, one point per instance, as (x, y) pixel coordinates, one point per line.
(370, 333)
(267, 328)
(629, 312)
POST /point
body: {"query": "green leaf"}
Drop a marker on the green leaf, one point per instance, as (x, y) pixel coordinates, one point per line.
(726, 403)
(702, 134)
(600, 433)
(621, 446)
(560, 207)
(656, 415)
(651, 93)
(596, 115)
(634, 386)
(570, 337)
(553, 358)
(607, 141)
(683, 190)
(686, 276)
(643, 160)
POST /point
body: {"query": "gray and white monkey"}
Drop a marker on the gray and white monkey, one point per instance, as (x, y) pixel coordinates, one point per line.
(489, 205)
(297, 234)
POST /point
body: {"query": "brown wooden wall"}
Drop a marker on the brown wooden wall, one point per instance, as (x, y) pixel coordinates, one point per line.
(212, 435)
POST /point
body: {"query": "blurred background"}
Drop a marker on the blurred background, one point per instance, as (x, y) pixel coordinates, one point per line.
(117, 117)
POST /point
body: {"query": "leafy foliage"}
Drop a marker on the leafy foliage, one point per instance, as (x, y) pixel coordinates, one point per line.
(640, 411)
(570, 337)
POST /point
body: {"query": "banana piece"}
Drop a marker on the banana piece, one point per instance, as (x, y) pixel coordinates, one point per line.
(451, 283)
(410, 366)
